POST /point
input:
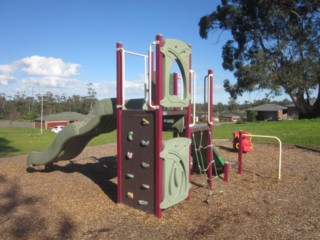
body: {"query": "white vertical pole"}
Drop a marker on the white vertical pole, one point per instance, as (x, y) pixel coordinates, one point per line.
(41, 118)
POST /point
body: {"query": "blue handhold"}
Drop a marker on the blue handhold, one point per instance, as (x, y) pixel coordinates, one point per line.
(145, 143)
(130, 136)
(143, 202)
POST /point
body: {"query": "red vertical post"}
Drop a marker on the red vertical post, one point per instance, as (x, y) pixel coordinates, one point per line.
(152, 78)
(158, 126)
(226, 171)
(209, 141)
(175, 83)
(240, 151)
(119, 118)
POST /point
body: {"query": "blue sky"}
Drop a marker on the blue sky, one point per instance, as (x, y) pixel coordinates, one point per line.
(63, 45)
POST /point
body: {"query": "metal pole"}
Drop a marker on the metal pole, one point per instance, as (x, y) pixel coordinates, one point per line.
(41, 118)
(280, 149)
(158, 127)
(240, 153)
(119, 118)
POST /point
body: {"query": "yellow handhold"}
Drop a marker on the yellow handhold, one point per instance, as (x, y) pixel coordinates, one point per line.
(145, 121)
(145, 186)
(130, 195)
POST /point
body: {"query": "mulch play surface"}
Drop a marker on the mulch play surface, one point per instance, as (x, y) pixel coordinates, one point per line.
(77, 200)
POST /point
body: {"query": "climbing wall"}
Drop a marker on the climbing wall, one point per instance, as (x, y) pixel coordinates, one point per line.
(138, 167)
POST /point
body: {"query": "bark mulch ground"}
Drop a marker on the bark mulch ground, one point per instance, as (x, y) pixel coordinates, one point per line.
(77, 200)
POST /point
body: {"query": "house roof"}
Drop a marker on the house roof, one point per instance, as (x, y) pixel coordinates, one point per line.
(231, 114)
(63, 116)
(267, 108)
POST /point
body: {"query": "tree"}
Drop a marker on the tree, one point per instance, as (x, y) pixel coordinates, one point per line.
(275, 46)
(232, 105)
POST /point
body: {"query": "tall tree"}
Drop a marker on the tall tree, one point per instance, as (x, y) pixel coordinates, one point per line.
(275, 46)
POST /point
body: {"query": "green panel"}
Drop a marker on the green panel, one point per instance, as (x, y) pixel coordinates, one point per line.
(175, 171)
(175, 50)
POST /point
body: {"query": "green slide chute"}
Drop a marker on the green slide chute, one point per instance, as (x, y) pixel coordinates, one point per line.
(71, 141)
(218, 161)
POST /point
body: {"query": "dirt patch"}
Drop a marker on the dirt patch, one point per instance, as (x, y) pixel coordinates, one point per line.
(77, 200)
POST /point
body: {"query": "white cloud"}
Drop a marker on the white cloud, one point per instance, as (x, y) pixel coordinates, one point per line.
(4, 79)
(47, 66)
(52, 73)
(6, 74)
(51, 82)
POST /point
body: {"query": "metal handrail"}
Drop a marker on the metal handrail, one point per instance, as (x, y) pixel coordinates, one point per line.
(194, 77)
(280, 149)
(209, 97)
(123, 52)
(150, 77)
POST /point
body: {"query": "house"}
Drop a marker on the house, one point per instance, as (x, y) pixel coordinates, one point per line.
(231, 116)
(267, 112)
(293, 112)
(203, 117)
(63, 119)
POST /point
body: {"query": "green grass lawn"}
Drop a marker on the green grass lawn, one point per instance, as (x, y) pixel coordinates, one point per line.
(18, 140)
(299, 132)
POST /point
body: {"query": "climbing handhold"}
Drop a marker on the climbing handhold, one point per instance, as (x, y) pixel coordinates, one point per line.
(129, 155)
(145, 186)
(142, 202)
(129, 175)
(130, 195)
(130, 136)
(145, 143)
(145, 165)
(145, 121)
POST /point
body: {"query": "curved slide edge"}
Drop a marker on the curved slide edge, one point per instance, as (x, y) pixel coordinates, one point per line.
(71, 141)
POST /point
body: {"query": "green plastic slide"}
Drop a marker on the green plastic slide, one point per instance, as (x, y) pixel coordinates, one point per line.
(218, 160)
(71, 141)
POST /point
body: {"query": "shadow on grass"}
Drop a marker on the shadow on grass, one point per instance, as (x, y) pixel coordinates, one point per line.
(100, 172)
(21, 219)
(6, 148)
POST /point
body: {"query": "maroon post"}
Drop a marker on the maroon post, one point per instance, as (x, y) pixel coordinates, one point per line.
(158, 126)
(240, 150)
(210, 135)
(119, 117)
(175, 83)
(226, 170)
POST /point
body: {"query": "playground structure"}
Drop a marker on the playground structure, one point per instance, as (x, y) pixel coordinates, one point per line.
(152, 174)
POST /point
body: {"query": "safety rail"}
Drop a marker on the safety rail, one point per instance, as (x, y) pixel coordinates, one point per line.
(194, 77)
(208, 95)
(147, 72)
(150, 77)
(280, 149)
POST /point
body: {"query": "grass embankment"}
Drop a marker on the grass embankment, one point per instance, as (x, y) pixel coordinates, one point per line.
(18, 140)
(298, 132)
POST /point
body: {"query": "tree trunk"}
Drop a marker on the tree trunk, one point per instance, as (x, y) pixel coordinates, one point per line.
(306, 110)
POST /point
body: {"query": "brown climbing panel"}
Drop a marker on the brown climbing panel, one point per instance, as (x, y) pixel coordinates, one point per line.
(138, 147)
